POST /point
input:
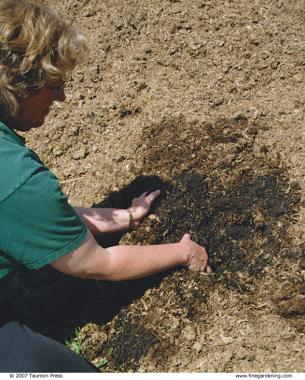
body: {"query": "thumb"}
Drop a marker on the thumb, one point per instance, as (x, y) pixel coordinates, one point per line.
(186, 237)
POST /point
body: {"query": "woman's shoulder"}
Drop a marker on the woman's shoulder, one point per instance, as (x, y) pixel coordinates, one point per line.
(18, 163)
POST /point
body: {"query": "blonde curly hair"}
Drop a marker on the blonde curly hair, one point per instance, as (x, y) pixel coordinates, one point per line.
(37, 47)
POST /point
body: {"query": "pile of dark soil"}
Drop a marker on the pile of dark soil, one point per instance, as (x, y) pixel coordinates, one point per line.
(235, 202)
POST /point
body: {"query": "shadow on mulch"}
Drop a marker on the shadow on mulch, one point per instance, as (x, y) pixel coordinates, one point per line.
(236, 203)
(235, 200)
(56, 304)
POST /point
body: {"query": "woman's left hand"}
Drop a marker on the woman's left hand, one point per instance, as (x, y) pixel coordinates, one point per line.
(140, 206)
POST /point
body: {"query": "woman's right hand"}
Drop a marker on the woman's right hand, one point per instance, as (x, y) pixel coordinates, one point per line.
(196, 256)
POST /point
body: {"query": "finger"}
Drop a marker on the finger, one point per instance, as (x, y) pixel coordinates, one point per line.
(143, 195)
(155, 193)
(208, 269)
(186, 237)
(152, 196)
(207, 265)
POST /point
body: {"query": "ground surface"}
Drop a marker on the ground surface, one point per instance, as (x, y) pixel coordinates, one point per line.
(205, 100)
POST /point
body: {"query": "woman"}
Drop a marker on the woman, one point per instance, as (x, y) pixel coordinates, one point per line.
(38, 51)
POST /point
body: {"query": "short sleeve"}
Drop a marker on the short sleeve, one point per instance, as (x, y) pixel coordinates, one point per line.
(38, 225)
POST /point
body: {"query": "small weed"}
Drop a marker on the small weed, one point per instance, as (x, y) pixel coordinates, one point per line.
(102, 363)
(105, 360)
(76, 343)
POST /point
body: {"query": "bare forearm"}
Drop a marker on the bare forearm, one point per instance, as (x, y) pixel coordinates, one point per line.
(102, 220)
(126, 262)
(133, 262)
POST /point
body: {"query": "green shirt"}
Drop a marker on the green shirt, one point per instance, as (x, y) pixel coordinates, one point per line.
(37, 224)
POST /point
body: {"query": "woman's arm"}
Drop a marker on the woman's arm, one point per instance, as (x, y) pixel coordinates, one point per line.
(102, 220)
(123, 262)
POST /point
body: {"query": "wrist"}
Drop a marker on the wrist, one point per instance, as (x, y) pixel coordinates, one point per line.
(131, 220)
(185, 253)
